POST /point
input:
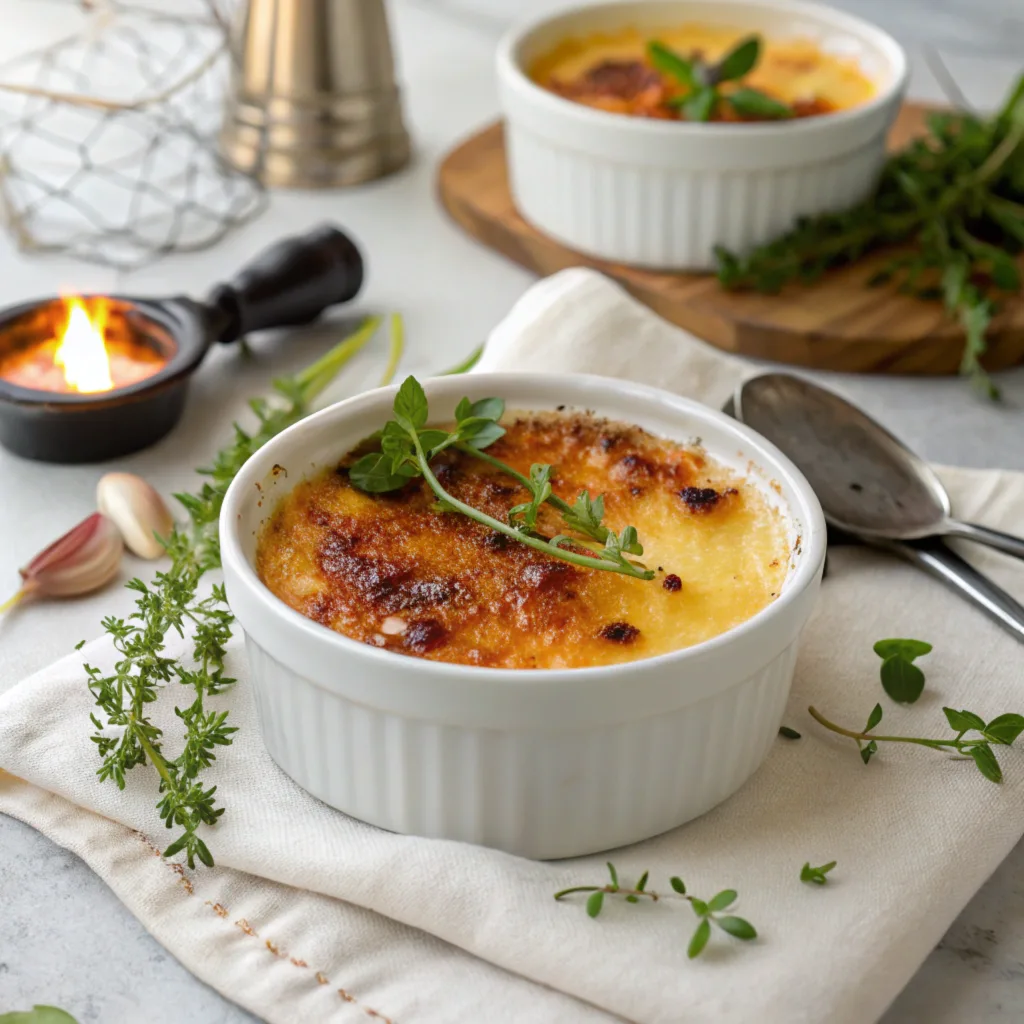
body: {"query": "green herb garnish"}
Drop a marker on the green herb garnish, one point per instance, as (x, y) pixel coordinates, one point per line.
(816, 876)
(787, 733)
(901, 678)
(172, 603)
(37, 1015)
(708, 911)
(1001, 731)
(407, 446)
(703, 96)
(953, 201)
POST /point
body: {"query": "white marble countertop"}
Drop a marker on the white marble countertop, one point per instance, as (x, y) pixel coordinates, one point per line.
(64, 937)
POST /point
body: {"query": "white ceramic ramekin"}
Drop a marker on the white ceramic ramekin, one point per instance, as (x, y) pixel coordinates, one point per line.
(663, 194)
(540, 763)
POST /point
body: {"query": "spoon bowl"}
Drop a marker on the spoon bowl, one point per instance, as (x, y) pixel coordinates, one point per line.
(868, 482)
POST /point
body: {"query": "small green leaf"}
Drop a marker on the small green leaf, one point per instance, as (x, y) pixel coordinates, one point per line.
(595, 901)
(816, 876)
(961, 721)
(789, 734)
(737, 927)
(722, 900)
(753, 103)
(176, 847)
(481, 434)
(463, 410)
(677, 884)
(432, 438)
(671, 63)
(204, 853)
(642, 882)
(874, 718)
(632, 899)
(488, 408)
(1004, 729)
(902, 680)
(868, 751)
(1005, 274)
(986, 762)
(411, 404)
(738, 61)
(375, 474)
(699, 940)
(38, 1015)
(700, 105)
(700, 908)
(908, 649)
(614, 874)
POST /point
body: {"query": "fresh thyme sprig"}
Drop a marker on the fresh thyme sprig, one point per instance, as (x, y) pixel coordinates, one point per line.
(407, 446)
(901, 678)
(171, 602)
(708, 911)
(703, 97)
(953, 201)
(816, 876)
(1001, 731)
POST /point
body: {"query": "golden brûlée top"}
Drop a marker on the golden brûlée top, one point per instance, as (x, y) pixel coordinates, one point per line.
(393, 571)
(613, 72)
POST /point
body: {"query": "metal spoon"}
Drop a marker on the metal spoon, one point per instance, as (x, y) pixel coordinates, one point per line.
(868, 482)
(930, 555)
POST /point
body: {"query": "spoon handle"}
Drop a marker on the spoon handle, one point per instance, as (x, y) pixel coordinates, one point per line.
(1004, 542)
(939, 561)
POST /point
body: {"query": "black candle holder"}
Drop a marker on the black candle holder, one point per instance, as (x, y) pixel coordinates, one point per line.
(290, 284)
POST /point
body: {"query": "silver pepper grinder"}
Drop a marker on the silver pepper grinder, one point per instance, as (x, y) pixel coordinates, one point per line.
(314, 101)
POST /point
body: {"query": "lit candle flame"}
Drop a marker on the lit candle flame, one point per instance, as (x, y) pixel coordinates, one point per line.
(82, 353)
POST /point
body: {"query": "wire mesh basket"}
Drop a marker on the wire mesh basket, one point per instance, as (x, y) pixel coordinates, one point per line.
(108, 135)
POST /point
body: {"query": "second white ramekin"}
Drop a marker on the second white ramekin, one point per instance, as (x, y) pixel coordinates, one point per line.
(543, 763)
(663, 194)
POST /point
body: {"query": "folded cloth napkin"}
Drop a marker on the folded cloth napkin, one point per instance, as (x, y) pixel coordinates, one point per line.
(310, 915)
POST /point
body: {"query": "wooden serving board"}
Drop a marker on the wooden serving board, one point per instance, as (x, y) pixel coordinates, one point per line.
(836, 324)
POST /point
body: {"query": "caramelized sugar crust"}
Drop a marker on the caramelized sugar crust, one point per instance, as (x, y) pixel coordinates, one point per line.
(393, 572)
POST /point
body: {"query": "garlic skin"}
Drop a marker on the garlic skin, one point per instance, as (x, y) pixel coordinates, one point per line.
(83, 560)
(137, 510)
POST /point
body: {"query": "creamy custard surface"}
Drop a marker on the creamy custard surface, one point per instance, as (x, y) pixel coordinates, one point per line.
(611, 71)
(392, 571)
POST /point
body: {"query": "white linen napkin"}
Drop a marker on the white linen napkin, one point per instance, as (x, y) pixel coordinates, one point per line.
(311, 915)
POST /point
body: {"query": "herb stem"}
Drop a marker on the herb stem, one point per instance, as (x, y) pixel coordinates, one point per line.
(466, 365)
(599, 534)
(317, 376)
(13, 600)
(998, 157)
(397, 347)
(509, 531)
(956, 744)
(155, 758)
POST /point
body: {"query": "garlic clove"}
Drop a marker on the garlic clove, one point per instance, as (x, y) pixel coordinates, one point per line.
(138, 511)
(81, 561)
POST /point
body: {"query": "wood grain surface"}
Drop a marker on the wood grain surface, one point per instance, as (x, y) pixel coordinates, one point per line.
(836, 324)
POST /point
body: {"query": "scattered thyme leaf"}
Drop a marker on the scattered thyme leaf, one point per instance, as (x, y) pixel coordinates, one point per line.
(699, 940)
(38, 1015)
(708, 911)
(816, 876)
(788, 733)
(901, 679)
(1002, 730)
